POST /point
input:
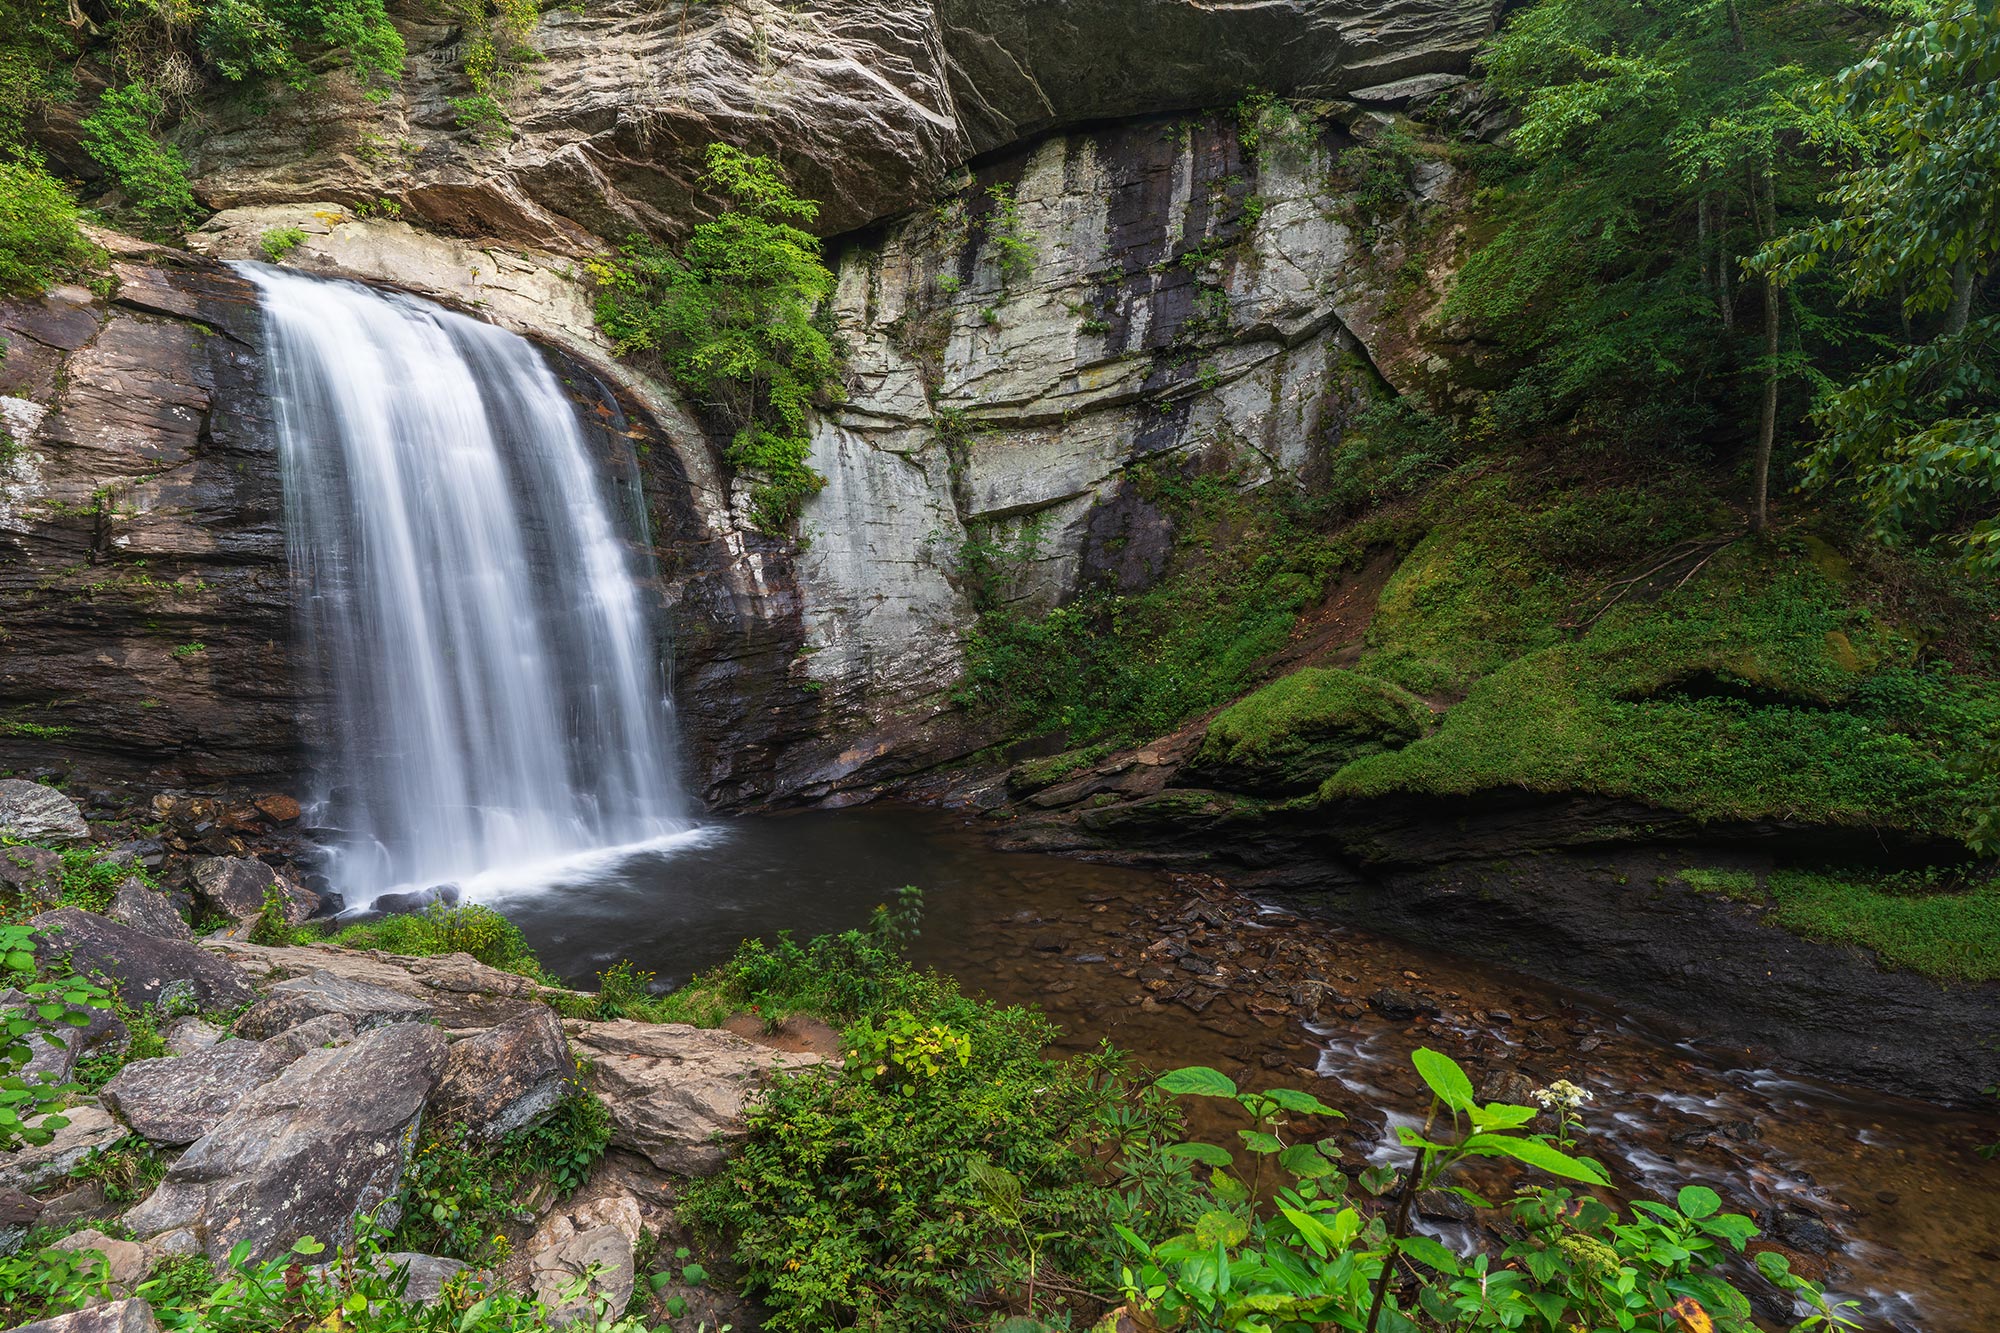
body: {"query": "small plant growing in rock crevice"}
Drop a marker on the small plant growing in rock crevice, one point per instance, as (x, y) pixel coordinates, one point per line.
(275, 244)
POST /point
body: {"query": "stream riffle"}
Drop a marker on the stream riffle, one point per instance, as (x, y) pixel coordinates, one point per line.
(1883, 1198)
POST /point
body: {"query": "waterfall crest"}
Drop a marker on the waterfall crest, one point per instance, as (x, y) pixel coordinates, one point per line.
(496, 690)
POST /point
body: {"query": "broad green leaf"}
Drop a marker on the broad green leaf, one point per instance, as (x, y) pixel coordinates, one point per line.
(1259, 1142)
(1303, 1103)
(1306, 1161)
(1429, 1253)
(1500, 1115)
(1220, 1230)
(1540, 1155)
(1445, 1078)
(1699, 1201)
(1197, 1081)
(1205, 1153)
(307, 1245)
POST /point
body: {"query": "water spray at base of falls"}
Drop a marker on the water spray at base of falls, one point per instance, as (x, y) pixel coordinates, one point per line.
(495, 689)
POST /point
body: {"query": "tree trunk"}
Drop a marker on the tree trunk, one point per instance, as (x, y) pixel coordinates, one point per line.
(1722, 296)
(1961, 294)
(1764, 206)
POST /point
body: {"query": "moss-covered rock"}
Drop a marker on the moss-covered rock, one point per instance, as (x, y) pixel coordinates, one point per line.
(1296, 732)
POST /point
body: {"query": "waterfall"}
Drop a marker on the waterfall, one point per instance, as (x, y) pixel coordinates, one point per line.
(497, 699)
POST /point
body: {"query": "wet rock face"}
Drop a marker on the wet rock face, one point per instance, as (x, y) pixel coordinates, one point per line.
(142, 559)
(869, 104)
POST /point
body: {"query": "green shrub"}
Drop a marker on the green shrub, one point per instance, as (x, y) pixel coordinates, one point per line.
(733, 316)
(460, 1195)
(912, 1187)
(285, 39)
(39, 240)
(121, 134)
(276, 244)
(438, 929)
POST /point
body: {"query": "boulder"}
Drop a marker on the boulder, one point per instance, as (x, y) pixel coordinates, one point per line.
(185, 1036)
(142, 909)
(127, 1316)
(34, 813)
(126, 1262)
(597, 1239)
(145, 968)
(462, 992)
(676, 1094)
(425, 1274)
(18, 1215)
(302, 999)
(85, 1203)
(235, 887)
(54, 1051)
(305, 1154)
(31, 872)
(37, 1166)
(507, 1077)
(177, 1099)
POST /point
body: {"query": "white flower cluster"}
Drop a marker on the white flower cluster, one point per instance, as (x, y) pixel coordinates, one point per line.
(1562, 1094)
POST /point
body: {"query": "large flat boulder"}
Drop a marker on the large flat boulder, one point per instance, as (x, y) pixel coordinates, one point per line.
(463, 993)
(144, 967)
(677, 1094)
(178, 1099)
(324, 994)
(507, 1077)
(34, 813)
(323, 1143)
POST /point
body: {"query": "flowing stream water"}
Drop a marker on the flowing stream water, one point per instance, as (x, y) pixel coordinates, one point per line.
(497, 705)
(499, 722)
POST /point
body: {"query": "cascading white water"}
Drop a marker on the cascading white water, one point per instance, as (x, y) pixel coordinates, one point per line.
(497, 697)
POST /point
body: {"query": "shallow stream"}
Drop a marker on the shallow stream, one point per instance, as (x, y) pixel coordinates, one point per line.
(1886, 1199)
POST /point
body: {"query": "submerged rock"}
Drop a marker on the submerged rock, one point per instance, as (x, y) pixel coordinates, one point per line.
(676, 1094)
(305, 1154)
(34, 813)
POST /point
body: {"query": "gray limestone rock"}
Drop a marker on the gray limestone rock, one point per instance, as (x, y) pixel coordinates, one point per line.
(177, 1099)
(305, 1154)
(127, 1316)
(142, 909)
(37, 1166)
(301, 999)
(676, 1094)
(35, 813)
(507, 1077)
(126, 1262)
(145, 968)
(235, 886)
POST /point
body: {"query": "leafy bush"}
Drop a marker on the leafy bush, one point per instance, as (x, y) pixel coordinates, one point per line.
(905, 1198)
(275, 245)
(39, 239)
(52, 1006)
(121, 134)
(732, 315)
(285, 39)
(459, 1195)
(438, 929)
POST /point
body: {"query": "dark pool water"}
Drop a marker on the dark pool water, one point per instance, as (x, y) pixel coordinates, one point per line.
(1886, 1198)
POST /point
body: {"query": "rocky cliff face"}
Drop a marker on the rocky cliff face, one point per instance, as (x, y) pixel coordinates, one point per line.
(144, 602)
(870, 104)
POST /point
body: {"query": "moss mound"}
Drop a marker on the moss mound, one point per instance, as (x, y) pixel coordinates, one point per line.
(1296, 732)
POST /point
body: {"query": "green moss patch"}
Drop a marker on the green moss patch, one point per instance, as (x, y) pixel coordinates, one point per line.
(1761, 689)
(1301, 729)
